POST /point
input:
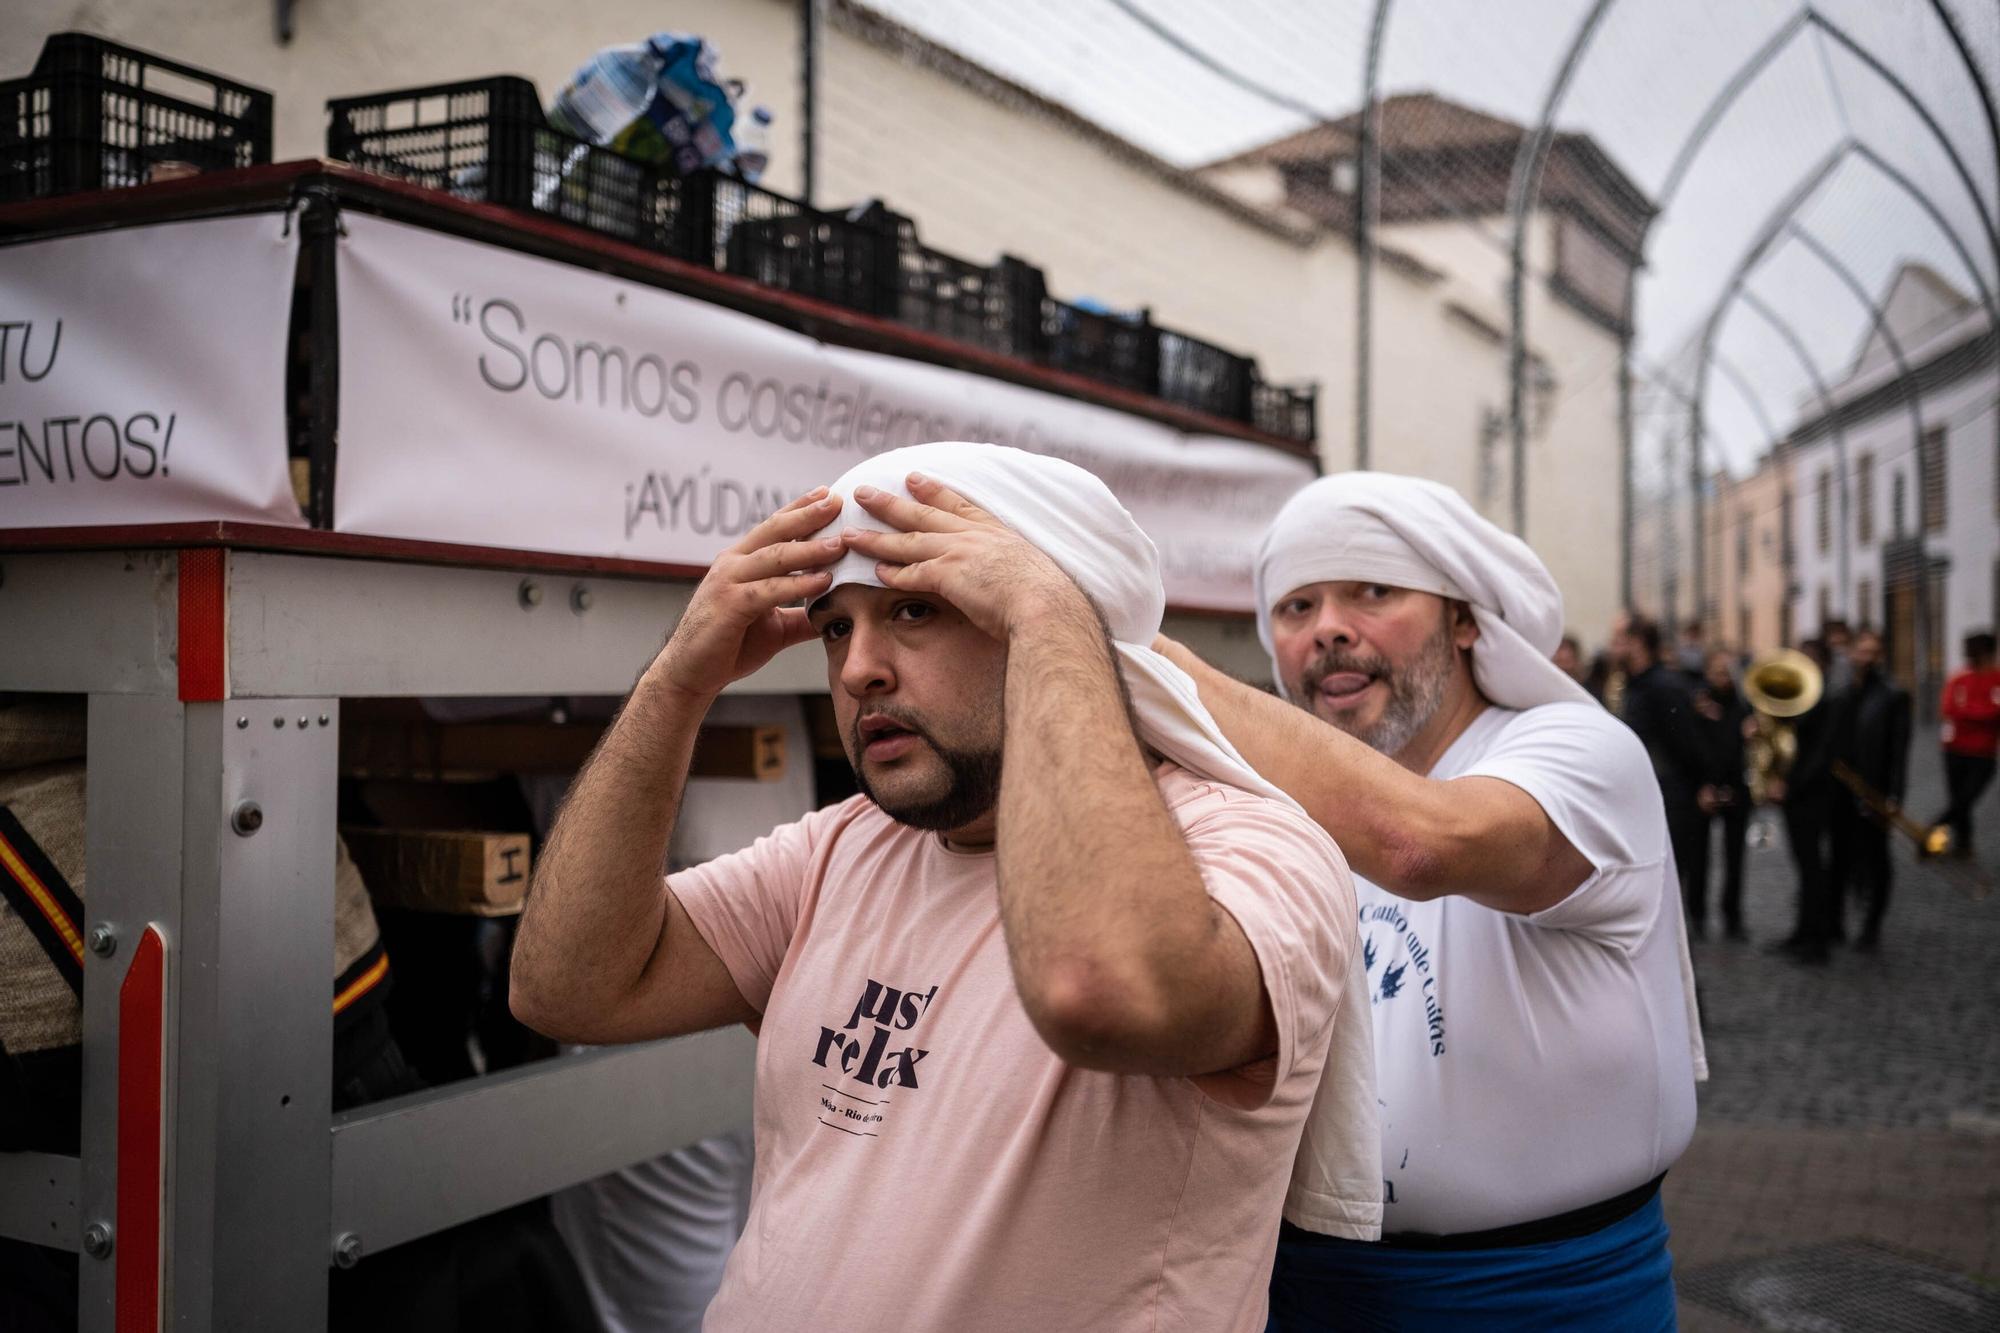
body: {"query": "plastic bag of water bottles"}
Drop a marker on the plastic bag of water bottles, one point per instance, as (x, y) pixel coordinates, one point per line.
(660, 100)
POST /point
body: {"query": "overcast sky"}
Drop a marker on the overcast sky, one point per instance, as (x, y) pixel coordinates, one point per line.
(1650, 69)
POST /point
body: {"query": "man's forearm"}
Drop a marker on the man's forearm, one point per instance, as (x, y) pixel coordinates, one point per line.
(1373, 806)
(595, 909)
(1098, 893)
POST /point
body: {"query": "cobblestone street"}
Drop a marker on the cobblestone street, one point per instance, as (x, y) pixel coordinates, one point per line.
(1845, 1173)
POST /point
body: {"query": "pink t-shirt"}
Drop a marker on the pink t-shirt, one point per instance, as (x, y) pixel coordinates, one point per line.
(925, 1162)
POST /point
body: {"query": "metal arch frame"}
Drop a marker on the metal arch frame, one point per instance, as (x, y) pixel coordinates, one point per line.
(1368, 174)
(1746, 74)
(1918, 105)
(1783, 328)
(1729, 371)
(1936, 215)
(1522, 190)
(1914, 397)
(1752, 68)
(1752, 256)
(1978, 78)
(1878, 321)
(1531, 157)
(1736, 377)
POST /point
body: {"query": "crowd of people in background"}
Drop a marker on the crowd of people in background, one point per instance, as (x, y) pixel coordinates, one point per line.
(1836, 793)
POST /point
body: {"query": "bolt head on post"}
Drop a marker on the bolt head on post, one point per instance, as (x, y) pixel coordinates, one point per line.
(530, 593)
(103, 939)
(97, 1240)
(246, 818)
(347, 1250)
(579, 599)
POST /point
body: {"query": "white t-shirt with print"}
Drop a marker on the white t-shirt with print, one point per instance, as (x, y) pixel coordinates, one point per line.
(1531, 1065)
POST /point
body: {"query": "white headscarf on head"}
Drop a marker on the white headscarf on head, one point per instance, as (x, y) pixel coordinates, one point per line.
(1373, 527)
(1076, 520)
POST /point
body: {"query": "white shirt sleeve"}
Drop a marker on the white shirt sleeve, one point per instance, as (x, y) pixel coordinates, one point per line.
(1590, 774)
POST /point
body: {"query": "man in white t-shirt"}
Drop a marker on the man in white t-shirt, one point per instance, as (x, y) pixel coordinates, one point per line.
(1041, 1014)
(1535, 1044)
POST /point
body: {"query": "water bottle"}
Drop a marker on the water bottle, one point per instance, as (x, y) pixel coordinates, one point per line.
(753, 145)
(610, 92)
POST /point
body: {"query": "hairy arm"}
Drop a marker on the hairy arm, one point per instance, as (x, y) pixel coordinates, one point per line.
(605, 951)
(1122, 959)
(1417, 837)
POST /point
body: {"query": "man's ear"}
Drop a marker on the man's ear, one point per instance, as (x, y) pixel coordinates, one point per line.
(1464, 629)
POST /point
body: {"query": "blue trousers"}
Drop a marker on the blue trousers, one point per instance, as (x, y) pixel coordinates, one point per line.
(1618, 1278)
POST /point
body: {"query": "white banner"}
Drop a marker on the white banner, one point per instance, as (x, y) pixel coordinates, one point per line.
(494, 398)
(142, 375)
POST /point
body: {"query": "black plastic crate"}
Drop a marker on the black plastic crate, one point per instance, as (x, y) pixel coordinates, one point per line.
(945, 295)
(1202, 376)
(1119, 349)
(1290, 412)
(488, 140)
(849, 259)
(95, 115)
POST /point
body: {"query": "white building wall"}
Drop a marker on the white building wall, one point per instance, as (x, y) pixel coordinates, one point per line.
(1972, 506)
(1970, 541)
(1442, 368)
(1817, 571)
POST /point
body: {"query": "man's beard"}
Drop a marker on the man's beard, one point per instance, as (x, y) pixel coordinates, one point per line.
(973, 790)
(1416, 692)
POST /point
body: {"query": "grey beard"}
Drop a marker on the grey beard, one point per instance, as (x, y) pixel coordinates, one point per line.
(1416, 692)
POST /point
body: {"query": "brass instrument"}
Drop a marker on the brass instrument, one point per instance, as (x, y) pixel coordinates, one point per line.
(1932, 841)
(1780, 686)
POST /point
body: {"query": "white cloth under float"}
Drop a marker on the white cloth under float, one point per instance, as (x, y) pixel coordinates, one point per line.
(1502, 1041)
(1071, 516)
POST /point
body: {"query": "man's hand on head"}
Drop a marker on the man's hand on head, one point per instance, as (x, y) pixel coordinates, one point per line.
(951, 548)
(739, 617)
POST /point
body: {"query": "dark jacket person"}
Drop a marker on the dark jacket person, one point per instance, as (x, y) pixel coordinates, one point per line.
(1875, 744)
(1660, 710)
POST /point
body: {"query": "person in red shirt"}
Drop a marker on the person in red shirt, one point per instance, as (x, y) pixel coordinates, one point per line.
(1970, 729)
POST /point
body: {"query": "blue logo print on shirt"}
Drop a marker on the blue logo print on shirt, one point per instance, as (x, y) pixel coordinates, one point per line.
(1411, 950)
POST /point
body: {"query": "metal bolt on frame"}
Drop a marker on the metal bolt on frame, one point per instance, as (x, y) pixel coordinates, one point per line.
(246, 818)
(97, 1240)
(103, 939)
(347, 1250)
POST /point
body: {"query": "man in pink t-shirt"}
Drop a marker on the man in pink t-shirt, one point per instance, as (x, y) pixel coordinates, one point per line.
(1039, 1015)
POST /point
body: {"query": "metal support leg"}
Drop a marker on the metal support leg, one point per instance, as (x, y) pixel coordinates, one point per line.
(256, 1029)
(214, 824)
(133, 851)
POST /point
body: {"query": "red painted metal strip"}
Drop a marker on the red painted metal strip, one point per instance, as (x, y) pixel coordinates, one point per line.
(203, 612)
(142, 1007)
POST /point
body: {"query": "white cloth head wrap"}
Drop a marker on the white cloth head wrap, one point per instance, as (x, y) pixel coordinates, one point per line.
(1372, 527)
(1076, 520)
